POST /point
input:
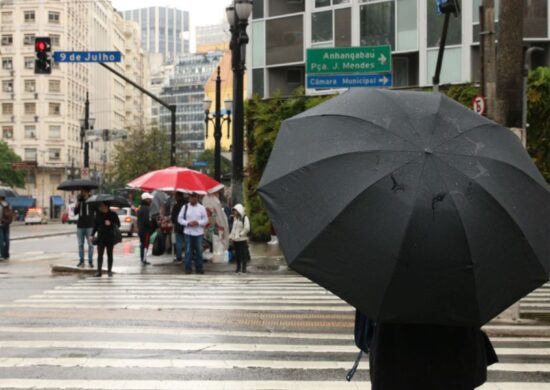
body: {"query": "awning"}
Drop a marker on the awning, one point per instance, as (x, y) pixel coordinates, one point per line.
(57, 200)
(20, 202)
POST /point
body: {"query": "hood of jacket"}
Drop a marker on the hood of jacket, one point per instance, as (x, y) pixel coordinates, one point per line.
(240, 209)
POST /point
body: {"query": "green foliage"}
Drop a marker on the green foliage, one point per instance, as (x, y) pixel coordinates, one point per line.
(538, 132)
(208, 156)
(8, 176)
(463, 93)
(264, 119)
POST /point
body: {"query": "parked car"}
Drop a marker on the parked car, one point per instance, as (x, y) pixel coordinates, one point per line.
(72, 217)
(36, 215)
(128, 220)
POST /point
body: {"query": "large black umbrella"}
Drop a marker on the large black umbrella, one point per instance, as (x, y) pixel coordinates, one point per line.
(409, 206)
(111, 200)
(76, 185)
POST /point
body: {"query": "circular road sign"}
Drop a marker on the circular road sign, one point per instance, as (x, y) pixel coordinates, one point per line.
(479, 105)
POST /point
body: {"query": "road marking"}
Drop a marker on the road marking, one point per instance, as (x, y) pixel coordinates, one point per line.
(183, 300)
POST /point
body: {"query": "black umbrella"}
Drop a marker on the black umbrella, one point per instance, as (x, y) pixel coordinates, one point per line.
(76, 185)
(7, 192)
(409, 206)
(111, 200)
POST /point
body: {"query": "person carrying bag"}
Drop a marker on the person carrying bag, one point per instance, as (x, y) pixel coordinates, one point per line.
(107, 227)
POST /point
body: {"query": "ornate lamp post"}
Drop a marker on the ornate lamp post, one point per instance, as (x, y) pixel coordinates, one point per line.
(237, 16)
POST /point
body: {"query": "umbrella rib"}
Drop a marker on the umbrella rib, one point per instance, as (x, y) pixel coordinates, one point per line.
(489, 124)
(497, 203)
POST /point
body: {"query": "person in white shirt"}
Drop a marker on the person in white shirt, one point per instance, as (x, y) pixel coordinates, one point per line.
(239, 237)
(193, 218)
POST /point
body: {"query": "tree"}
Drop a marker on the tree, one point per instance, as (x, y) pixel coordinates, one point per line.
(9, 176)
(208, 156)
(143, 151)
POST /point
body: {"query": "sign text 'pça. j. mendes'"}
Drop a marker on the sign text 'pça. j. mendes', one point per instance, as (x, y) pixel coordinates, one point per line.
(373, 59)
(87, 56)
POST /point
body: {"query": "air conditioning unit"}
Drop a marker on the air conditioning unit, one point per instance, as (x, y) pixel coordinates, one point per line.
(12, 119)
(12, 73)
(36, 96)
(36, 118)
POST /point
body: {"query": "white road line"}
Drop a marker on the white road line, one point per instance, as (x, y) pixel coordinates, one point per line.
(325, 297)
(515, 386)
(179, 331)
(183, 300)
(87, 384)
(186, 292)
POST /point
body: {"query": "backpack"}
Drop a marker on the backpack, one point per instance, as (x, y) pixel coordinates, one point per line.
(7, 215)
(364, 330)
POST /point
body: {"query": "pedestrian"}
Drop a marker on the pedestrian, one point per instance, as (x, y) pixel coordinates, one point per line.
(239, 237)
(146, 226)
(193, 218)
(178, 229)
(84, 227)
(105, 222)
(429, 357)
(6, 218)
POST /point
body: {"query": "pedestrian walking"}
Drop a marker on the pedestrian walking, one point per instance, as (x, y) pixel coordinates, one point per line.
(178, 228)
(84, 227)
(6, 218)
(146, 226)
(239, 237)
(429, 357)
(106, 224)
(193, 218)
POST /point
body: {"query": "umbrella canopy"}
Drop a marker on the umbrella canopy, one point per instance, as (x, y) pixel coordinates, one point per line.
(7, 192)
(77, 185)
(111, 200)
(410, 207)
(177, 179)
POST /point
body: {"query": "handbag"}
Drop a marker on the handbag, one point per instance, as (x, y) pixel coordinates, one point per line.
(117, 234)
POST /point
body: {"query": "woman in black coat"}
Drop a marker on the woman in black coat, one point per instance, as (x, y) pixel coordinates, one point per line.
(105, 222)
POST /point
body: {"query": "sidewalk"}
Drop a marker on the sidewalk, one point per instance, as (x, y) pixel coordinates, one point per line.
(20, 231)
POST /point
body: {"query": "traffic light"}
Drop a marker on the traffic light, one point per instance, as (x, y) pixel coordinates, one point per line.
(450, 7)
(42, 50)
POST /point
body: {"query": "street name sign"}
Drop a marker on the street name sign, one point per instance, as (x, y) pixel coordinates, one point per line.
(87, 56)
(349, 81)
(21, 165)
(350, 60)
(200, 164)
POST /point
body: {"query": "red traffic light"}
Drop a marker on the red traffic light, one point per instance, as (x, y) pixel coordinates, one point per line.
(40, 46)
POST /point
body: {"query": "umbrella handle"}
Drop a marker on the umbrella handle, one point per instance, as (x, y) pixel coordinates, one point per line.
(353, 370)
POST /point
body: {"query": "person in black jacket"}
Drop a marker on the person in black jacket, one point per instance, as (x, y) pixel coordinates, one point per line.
(105, 222)
(178, 229)
(429, 357)
(146, 226)
(84, 226)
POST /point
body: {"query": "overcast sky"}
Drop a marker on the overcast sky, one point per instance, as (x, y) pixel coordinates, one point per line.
(203, 12)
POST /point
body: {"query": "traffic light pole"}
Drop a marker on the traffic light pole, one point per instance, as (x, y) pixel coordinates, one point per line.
(171, 107)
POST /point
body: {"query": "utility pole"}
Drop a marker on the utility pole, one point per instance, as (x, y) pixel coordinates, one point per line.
(218, 130)
(487, 35)
(86, 128)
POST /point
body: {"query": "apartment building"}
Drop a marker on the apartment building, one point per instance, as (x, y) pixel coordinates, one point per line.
(282, 30)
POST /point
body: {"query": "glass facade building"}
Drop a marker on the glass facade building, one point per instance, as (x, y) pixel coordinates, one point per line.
(164, 30)
(185, 88)
(282, 30)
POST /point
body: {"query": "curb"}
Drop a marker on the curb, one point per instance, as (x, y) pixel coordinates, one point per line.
(39, 236)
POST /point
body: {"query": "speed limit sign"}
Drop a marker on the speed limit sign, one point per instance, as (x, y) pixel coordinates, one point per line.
(479, 104)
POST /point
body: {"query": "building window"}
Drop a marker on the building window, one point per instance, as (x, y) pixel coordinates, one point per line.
(53, 17)
(30, 85)
(7, 63)
(342, 27)
(55, 109)
(535, 19)
(283, 7)
(377, 22)
(7, 18)
(321, 26)
(451, 70)
(55, 40)
(407, 31)
(7, 108)
(7, 86)
(28, 39)
(7, 132)
(435, 26)
(29, 62)
(30, 154)
(54, 86)
(258, 82)
(258, 44)
(54, 154)
(258, 9)
(54, 132)
(285, 40)
(327, 3)
(29, 17)
(7, 40)
(30, 108)
(30, 132)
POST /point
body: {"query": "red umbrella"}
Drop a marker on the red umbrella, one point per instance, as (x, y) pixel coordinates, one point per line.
(177, 179)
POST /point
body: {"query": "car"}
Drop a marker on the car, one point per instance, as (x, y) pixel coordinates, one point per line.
(36, 216)
(128, 220)
(72, 217)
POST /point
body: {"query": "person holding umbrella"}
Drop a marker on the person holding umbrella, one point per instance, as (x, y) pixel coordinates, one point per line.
(146, 226)
(84, 226)
(178, 229)
(104, 225)
(6, 218)
(193, 218)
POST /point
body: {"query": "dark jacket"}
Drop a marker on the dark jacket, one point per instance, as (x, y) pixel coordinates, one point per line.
(429, 357)
(85, 214)
(145, 223)
(176, 208)
(105, 234)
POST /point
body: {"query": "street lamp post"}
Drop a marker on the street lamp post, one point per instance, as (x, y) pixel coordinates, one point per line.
(237, 16)
(217, 118)
(86, 124)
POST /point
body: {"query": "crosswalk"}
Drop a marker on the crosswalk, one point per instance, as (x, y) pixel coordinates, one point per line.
(211, 332)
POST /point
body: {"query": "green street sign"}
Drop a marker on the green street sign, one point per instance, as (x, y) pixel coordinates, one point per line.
(349, 60)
